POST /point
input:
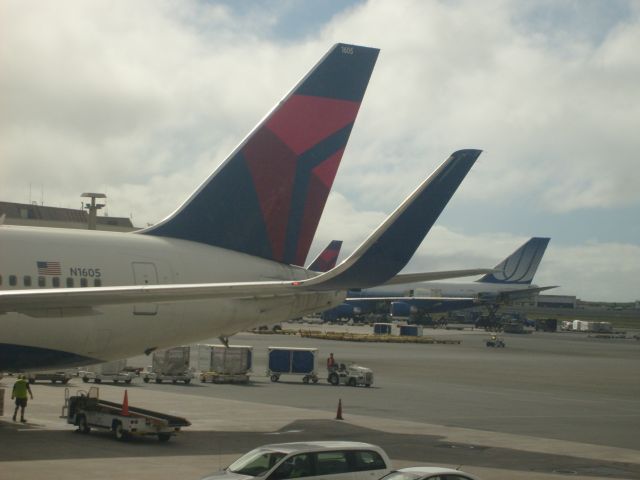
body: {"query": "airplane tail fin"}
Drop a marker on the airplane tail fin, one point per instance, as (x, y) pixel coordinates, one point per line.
(327, 258)
(267, 197)
(521, 265)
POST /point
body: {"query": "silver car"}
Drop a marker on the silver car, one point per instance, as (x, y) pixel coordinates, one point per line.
(309, 460)
(429, 473)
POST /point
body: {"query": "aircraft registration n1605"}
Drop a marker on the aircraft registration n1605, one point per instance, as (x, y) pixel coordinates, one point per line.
(228, 258)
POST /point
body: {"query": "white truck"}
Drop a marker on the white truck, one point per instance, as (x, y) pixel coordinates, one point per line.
(230, 364)
(87, 411)
(109, 371)
(171, 365)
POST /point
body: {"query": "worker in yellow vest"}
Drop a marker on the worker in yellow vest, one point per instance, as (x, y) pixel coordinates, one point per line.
(20, 390)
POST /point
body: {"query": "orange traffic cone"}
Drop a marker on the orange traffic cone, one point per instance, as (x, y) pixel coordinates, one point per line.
(339, 412)
(125, 405)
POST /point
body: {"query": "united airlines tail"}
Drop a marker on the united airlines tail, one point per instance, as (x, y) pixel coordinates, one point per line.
(521, 265)
(266, 199)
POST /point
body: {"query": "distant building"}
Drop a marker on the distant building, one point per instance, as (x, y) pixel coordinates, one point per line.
(40, 216)
(556, 301)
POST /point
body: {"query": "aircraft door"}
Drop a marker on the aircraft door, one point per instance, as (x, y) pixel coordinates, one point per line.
(145, 273)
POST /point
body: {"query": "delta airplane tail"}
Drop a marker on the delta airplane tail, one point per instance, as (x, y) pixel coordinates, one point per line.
(519, 267)
(297, 148)
(327, 258)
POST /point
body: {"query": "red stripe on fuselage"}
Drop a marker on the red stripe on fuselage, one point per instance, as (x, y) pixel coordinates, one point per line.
(303, 121)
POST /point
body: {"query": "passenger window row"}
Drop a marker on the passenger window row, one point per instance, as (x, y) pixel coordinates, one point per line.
(54, 282)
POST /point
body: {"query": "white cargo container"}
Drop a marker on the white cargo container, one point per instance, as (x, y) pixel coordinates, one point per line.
(107, 371)
(171, 364)
(200, 358)
(230, 364)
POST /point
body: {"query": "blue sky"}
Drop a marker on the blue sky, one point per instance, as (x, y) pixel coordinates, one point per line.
(142, 100)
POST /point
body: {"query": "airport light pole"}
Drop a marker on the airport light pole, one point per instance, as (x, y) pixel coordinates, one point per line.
(93, 207)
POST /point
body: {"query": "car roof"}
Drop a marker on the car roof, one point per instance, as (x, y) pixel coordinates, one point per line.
(313, 446)
(433, 471)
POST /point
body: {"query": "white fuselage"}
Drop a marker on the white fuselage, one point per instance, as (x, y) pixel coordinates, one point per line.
(443, 289)
(118, 259)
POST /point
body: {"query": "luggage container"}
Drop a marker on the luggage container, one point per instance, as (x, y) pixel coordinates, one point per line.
(230, 364)
(382, 328)
(53, 377)
(171, 365)
(411, 330)
(293, 361)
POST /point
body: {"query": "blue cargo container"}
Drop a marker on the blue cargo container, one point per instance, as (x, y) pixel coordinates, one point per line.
(292, 361)
(382, 328)
(411, 330)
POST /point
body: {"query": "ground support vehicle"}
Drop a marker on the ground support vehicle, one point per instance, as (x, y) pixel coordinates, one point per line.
(293, 361)
(53, 377)
(495, 342)
(351, 374)
(87, 411)
(173, 365)
(183, 377)
(227, 364)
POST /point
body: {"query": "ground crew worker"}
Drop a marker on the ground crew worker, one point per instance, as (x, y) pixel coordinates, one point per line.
(330, 362)
(20, 390)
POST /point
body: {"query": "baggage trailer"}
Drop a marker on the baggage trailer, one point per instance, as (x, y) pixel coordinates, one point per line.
(170, 365)
(87, 411)
(230, 364)
(53, 377)
(293, 361)
(107, 372)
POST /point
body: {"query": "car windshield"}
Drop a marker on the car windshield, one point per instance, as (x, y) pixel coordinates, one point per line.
(401, 476)
(256, 462)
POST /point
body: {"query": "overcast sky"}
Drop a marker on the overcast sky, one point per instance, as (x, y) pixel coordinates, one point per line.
(142, 99)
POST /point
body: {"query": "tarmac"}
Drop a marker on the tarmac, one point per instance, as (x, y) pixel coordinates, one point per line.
(229, 420)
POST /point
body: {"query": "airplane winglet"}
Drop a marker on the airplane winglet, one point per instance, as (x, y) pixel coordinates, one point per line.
(392, 245)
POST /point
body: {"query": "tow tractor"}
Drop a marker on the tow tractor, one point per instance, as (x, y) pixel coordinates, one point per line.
(87, 411)
(350, 374)
(495, 342)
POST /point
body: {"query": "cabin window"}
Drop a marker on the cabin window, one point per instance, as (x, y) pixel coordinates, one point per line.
(69, 282)
(42, 281)
(55, 281)
(13, 280)
(26, 280)
(97, 282)
(84, 282)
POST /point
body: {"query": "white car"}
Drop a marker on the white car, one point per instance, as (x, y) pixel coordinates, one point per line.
(309, 460)
(429, 473)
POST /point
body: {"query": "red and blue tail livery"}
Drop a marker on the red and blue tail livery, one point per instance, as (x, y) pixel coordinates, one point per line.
(327, 258)
(266, 199)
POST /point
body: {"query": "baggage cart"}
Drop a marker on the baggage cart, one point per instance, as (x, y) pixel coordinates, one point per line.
(293, 361)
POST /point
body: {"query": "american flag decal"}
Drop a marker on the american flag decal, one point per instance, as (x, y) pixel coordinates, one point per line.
(49, 268)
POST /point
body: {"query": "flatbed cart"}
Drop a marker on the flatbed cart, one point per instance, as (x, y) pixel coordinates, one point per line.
(217, 377)
(87, 411)
(184, 377)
